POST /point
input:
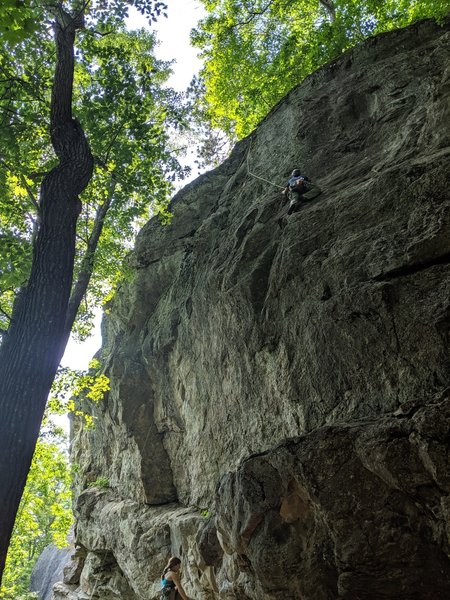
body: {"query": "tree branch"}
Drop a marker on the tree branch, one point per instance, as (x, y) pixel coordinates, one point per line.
(33, 200)
(330, 8)
(253, 15)
(87, 263)
(31, 197)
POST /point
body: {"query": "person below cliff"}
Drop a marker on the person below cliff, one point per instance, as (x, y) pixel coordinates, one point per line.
(170, 581)
(299, 188)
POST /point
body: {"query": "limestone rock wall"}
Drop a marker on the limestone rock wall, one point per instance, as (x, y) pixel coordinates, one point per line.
(278, 413)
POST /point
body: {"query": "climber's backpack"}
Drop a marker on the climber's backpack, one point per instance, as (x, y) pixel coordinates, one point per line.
(297, 184)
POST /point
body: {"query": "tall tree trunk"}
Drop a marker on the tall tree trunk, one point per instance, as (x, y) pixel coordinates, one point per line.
(35, 342)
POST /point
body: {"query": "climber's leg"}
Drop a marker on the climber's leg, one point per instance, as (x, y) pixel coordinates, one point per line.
(295, 199)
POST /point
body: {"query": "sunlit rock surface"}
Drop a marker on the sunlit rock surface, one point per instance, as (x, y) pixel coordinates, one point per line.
(279, 411)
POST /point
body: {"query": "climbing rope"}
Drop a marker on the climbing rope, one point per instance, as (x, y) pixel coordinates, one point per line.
(281, 187)
(97, 578)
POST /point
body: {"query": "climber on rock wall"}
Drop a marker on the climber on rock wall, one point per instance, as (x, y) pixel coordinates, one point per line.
(299, 188)
(171, 588)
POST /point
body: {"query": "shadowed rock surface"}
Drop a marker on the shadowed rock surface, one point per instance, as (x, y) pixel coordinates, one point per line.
(279, 410)
(49, 569)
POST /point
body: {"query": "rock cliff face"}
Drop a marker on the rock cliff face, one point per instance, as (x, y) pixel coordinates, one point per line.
(49, 569)
(279, 408)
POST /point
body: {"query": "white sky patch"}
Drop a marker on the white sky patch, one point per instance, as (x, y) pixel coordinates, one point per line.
(173, 35)
(78, 355)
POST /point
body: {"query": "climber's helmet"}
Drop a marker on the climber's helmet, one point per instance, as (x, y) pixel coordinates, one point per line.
(296, 173)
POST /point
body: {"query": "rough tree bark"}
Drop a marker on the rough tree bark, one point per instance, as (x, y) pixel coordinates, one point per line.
(35, 342)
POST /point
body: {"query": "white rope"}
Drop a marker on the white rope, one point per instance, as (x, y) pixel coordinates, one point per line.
(281, 187)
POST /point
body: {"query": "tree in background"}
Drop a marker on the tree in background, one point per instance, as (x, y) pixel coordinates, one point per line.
(211, 143)
(44, 516)
(45, 512)
(56, 57)
(255, 51)
(125, 111)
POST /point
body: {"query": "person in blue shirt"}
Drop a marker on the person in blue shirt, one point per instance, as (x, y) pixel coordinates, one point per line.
(299, 188)
(171, 588)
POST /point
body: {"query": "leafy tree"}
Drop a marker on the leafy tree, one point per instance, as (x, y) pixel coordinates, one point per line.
(212, 144)
(73, 390)
(57, 57)
(125, 113)
(44, 515)
(255, 51)
(45, 512)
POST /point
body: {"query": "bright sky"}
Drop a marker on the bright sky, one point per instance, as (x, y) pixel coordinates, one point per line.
(173, 33)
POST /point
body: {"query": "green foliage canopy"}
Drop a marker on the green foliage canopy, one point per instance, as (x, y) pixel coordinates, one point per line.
(125, 109)
(255, 51)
